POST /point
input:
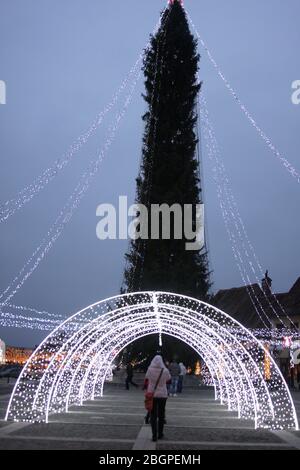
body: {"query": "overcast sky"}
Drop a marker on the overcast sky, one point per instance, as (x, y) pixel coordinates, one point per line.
(62, 61)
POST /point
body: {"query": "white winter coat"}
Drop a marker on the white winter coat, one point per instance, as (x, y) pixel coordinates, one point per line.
(152, 375)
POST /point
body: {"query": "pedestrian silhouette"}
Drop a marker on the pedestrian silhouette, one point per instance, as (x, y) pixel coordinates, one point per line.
(156, 380)
(129, 377)
(182, 374)
(174, 371)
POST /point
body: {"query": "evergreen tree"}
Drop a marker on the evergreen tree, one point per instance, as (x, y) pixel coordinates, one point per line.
(169, 170)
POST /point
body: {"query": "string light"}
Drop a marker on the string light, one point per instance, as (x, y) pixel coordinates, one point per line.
(9, 207)
(156, 311)
(161, 43)
(73, 202)
(32, 310)
(274, 337)
(71, 364)
(31, 324)
(232, 218)
(289, 167)
(68, 210)
(237, 254)
(206, 378)
(211, 149)
(19, 316)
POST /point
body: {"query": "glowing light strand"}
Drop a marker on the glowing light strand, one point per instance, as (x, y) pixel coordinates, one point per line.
(8, 208)
(32, 310)
(223, 182)
(211, 151)
(72, 363)
(67, 212)
(289, 167)
(156, 82)
(274, 337)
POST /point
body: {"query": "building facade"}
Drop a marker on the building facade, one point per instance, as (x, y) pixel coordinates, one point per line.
(17, 355)
(283, 310)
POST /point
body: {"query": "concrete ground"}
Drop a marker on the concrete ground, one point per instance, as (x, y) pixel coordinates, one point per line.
(194, 421)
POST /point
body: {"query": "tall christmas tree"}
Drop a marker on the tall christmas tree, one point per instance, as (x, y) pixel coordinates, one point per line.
(169, 170)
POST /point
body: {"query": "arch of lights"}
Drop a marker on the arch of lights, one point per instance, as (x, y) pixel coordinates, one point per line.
(70, 366)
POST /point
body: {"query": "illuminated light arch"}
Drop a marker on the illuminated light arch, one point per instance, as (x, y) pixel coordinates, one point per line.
(71, 364)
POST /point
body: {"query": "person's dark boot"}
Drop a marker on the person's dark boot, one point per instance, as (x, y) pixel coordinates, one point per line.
(154, 430)
(161, 429)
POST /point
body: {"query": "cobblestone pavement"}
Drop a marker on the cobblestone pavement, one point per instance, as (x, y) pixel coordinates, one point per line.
(194, 421)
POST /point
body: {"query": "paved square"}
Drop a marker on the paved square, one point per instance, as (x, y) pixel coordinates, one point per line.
(194, 421)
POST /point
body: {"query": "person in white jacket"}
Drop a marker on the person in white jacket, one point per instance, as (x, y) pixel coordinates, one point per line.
(157, 373)
(182, 374)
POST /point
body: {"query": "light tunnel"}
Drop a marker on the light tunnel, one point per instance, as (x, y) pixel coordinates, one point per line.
(70, 366)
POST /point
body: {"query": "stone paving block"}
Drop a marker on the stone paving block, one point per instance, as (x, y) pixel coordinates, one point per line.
(220, 435)
(78, 430)
(195, 422)
(192, 418)
(100, 419)
(174, 447)
(3, 424)
(44, 444)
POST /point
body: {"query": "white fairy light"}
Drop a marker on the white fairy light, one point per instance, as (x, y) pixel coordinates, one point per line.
(9, 207)
(230, 212)
(31, 310)
(156, 311)
(67, 212)
(289, 167)
(158, 70)
(26, 318)
(18, 316)
(73, 202)
(71, 364)
(274, 337)
(13, 318)
(211, 148)
(25, 324)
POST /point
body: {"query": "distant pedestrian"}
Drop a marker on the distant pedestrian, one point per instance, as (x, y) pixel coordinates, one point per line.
(156, 380)
(174, 371)
(182, 374)
(168, 383)
(129, 377)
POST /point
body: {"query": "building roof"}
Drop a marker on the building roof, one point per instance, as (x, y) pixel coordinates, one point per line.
(237, 303)
(291, 299)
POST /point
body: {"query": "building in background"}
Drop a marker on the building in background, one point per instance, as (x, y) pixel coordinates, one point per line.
(17, 355)
(237, 303)
(2, 352)
(283, 309)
